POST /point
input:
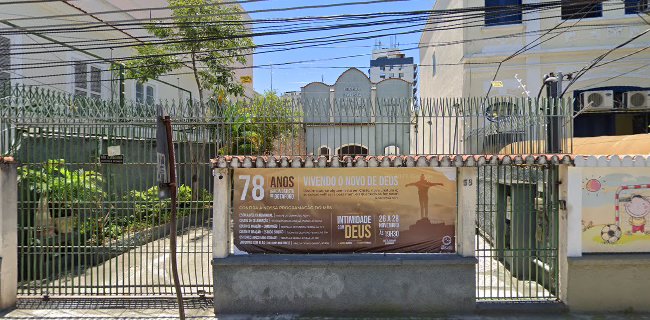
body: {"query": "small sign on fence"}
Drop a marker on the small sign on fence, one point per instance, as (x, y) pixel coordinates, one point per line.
(109, 159)
(345, 211)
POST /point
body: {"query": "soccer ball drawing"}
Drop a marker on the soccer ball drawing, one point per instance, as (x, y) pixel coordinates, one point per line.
(611, 233)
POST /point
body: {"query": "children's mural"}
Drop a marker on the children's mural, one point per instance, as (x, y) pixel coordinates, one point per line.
(615, 210)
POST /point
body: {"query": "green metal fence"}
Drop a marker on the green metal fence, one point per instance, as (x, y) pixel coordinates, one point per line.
(90, 221)
(517, 233)
(90, 225)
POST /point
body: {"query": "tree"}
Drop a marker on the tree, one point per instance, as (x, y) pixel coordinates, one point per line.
(210, 35)
(255, 127)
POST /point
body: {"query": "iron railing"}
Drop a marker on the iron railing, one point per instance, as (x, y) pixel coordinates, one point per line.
(333, 127)
(517, 223)
(105, 234)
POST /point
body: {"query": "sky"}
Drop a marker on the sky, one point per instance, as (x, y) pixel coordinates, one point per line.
(294, 76)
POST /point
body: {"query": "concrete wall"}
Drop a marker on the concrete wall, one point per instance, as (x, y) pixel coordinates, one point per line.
(373, 137)
(344, 284)
(8, 236)
(609, 283)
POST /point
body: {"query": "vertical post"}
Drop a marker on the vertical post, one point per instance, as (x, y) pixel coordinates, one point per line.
(122, 87)
(570, 229)
(554, 90)
(8, 236)
(221, 214)
(174, 203)
(467, 205)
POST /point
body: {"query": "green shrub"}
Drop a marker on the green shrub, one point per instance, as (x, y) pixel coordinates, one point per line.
(148, 207)
(64, 188)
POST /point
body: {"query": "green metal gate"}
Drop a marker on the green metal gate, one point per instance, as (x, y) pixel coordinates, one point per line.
(90, 221)
(517, 233)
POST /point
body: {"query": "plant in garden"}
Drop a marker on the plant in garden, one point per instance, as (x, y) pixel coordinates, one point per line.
(64, 188)
(252, 127)
(152, 211)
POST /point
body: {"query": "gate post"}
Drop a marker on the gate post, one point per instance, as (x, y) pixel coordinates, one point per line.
(8, 233)
(221, 214)
(467, 204)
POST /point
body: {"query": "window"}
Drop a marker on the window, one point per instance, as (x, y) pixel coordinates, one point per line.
(144, 94)
(391, 151)
(501, 110)
(502, 12)
(352, 150)
(324, 151)
(580, 9)
(82, 86)
(5, 65)
(433, 64)
(401, 75)
(636, 6)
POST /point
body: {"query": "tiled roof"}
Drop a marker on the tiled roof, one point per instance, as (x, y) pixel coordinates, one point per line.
(612, 161)
(386, 161)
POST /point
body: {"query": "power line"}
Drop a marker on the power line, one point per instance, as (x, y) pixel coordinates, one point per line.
(452, 27)
(283, 49)
(26, 2)
(526, 47)
(594, 62)
(336, 41)
(117, 22)
(59, 16)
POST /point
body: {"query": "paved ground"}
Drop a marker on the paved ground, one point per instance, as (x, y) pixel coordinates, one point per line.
(196, 314)
(494, 280)
(145, 270)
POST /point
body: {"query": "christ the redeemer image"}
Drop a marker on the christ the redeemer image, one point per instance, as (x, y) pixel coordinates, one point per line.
(423, 191)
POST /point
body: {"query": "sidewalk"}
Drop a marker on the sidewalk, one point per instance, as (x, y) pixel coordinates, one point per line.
(160, 309)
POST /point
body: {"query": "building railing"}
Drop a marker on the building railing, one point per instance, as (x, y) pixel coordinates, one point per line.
(329, 127)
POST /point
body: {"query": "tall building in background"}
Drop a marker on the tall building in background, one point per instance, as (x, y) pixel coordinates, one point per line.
(391, 63)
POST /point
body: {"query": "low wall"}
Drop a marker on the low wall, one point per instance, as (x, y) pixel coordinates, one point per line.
(8, 233)
(610, 283)
(344, 284)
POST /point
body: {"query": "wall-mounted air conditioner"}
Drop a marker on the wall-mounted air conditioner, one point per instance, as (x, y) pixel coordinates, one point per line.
(598, 100)
(637, 100)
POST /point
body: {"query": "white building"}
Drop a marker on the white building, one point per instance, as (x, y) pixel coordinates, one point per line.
(79, 62)
(461, 61)
(391, 63)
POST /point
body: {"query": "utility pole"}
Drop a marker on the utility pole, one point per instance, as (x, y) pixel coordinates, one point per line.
(553, 85)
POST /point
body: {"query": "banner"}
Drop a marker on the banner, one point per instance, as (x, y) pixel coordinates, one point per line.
(392, 210)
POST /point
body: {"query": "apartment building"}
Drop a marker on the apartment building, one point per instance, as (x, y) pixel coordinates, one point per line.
(461, 59)
(392, 63)
(79, 62)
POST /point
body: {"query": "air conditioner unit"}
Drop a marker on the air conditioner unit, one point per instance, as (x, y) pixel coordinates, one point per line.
(598, 100)
(637, 100)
